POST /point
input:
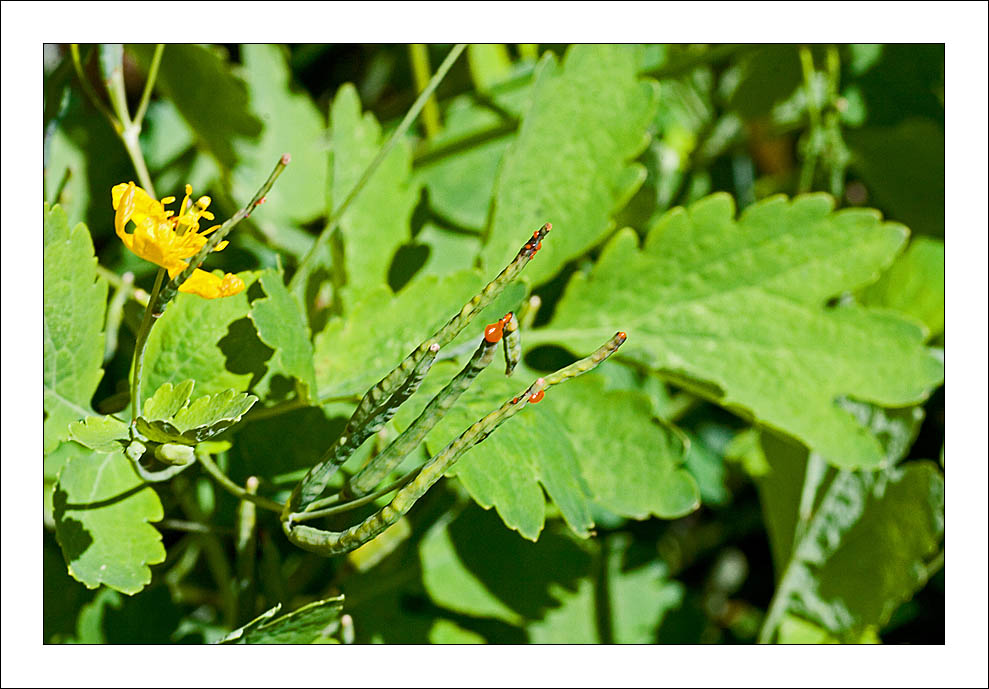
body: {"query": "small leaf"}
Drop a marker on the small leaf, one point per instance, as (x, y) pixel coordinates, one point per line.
(914, 285)
(570, 163)
(309, 624)
(100, 433)
(103, 512)
(170, 418)
(736, 311)
(282, 326)
(74, 304)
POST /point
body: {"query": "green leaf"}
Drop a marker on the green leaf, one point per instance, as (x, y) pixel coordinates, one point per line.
(444, 631)
(736, 310)
(353, 353)
(293, 124)
(103, 512)
(794, 630)
(192, 339)
(489, 63)
(377, 222)
(569, 164)
(867, 548)
(473, 566)
(309, 624)
(282, 326)
(74, 304)
(631, 463)
(210, 97)
(637, 601)
(914, 285)
(168, 417)
(100, 433)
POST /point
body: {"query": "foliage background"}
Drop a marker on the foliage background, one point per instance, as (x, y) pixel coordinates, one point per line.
(750, 121)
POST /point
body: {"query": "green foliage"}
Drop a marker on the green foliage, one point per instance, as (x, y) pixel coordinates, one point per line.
(781, 383)
(570, 164)
(377, 222)
(741, 305)
(75, 300)
(102, 521)
(313, 623)
(169, 417)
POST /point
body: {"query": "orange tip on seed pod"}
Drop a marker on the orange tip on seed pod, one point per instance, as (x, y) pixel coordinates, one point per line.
(492, 333)
(535, 399)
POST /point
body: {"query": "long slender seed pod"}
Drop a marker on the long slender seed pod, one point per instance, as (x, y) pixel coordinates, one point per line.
(385, 391)
(513, 343)
(337, 542)
(365, 480)
(373, 412)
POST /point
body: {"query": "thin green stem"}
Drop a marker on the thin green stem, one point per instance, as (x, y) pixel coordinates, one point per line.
(306, 266)
(419, 57)
(142, 107)
(227, 484)
(161, 301)
(87, 89)
(115, 314)
(140, 343)
(812, 142)
(118, 282)
(247, 549)
(320, 511)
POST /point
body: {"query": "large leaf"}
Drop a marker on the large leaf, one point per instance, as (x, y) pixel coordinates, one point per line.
(353, 353)
(377, 222)
(313, 623)
(737, 310)
(74, 304)
(211, 99)
(914, 285)
(103, 512)
(185, 343)
(282, 326)
(292, 124)
(569, 164)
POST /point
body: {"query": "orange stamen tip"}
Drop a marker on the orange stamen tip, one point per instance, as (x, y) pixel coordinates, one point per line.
(535, 399)
(622, 336)
(492, 333)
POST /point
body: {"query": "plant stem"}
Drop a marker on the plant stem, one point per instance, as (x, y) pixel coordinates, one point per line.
(87, 88)
(118, 282)
(419, 56)
(812, 143)
(213, 470)
(306, 266)
(352, 504)
(142, 107)
(140, 343)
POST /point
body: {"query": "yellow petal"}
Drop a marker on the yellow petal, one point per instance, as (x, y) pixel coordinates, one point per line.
(210, 286)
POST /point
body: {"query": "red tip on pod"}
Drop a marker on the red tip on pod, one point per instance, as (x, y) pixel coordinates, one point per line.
(493, 332)
(622, 336)
(538, 397)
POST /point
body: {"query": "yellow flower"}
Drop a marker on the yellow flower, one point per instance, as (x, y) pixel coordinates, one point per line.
(168, 240)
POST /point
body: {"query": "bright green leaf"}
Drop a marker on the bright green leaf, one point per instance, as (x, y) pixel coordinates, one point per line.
(914, 285)
(282, 326)
(377, 222)
(292, 124)
(444, 631)
(194, 339)
(100, 433)
(74, 304)
(311, 623)
(569, 164)
(103, 512)
(169, 417)
(736, 310)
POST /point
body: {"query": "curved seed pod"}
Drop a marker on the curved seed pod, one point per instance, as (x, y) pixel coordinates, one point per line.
(373, 412)
(371, 475)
